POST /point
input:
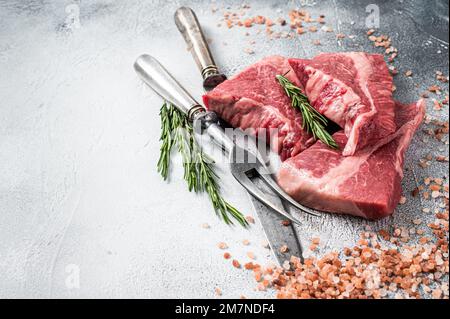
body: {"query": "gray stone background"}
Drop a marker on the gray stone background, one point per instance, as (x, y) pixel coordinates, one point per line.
(83, 212)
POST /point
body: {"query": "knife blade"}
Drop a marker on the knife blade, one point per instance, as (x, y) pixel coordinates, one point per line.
(276, 233)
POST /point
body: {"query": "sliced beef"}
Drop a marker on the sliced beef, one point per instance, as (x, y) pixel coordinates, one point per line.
(254, 101)
(354, 90)
(367, 184)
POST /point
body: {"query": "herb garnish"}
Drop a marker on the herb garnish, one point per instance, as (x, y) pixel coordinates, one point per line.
(313, 121)
(177, 131)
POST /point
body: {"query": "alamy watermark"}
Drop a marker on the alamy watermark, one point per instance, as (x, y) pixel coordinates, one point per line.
(72, 280)
(235, 145)
(373, 18)
(73, 16)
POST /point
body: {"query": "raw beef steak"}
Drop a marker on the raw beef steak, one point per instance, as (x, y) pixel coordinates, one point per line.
(367, 184)
(253, 100)
(352, 89)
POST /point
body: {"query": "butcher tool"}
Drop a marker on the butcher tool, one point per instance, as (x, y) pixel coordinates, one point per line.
(277, 234)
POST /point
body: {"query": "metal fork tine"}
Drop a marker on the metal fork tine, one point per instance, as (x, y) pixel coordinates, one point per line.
(269, 180)
(245, 181)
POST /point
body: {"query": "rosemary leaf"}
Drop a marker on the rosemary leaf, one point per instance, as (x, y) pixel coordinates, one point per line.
(166, 142)
(313, 121)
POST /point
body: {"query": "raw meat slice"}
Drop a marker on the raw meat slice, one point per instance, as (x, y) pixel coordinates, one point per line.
(354, 90)
(367, 184)
(254, 101)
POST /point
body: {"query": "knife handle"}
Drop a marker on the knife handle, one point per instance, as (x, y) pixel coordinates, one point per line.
(188, 25)
(163, 83)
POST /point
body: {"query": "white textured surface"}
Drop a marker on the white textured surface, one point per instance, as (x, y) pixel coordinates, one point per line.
(79, 143)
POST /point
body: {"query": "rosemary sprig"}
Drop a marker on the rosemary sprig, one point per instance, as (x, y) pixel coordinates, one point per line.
(313, 121)
(183, 137)
(208, 182)
(166, 142)
(198, 170)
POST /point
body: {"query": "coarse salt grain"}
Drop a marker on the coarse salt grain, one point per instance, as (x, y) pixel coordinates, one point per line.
(437, 293)
(251, 255)
(435, 194)
(250, 219)
(284, 249)
(249, 51)
(286, 222)
(402, 200)
(222, 245)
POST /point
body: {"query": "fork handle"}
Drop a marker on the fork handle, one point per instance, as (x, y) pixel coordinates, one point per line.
(164, 84)
(159, 79)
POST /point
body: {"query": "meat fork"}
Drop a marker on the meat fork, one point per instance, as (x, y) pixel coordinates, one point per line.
(163, 83)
